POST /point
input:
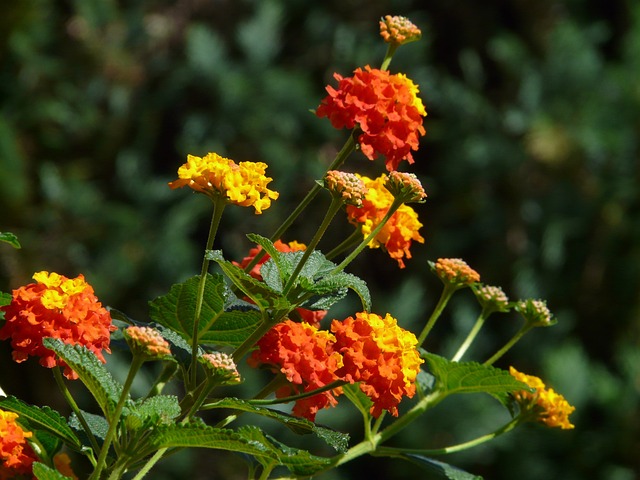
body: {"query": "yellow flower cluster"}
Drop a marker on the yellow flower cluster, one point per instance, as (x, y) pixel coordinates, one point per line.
(549, 407)
(243, 184)
(59, 289)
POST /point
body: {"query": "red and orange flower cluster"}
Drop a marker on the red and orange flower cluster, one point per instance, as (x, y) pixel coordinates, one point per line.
(16, 455)
(384, 106)
(369, 349)
(57, 307)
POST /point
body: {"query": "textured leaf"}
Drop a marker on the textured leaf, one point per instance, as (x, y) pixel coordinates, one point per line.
(156, 410)
(43, 472)
(91, 371)
(338, 281)
(97, 424)
(443, 470)
(233, 327)
(177, 309)
(10, 238)
(44, 417)
(472, 377)
(338, 440)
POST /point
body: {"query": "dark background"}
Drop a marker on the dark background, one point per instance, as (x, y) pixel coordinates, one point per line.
(530, 161)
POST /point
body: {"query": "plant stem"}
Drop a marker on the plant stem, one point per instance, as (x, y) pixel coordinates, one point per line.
(391, 49)
(519, 334)
(336, 204)
(445, 296)
(149, 465)
(136, 363)
(292, 398)
(392, 209)
(389, 451)
(253, 338)
(471, 336)
(74, 406)
(219, 204)
(349, 242)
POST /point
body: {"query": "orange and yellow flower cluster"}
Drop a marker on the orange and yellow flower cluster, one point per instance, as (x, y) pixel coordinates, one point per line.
(243, 184)
(369, 349)
(398, 233)
(384, 106)
(544, 404)
(58, 307)
(16, 455)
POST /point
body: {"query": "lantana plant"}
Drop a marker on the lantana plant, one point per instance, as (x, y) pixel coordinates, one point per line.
(272, 311)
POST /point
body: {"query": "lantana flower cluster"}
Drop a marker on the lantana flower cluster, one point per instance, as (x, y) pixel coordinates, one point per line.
(398, 233)
(386, 109)
(16, 455)
(368, 349)
(57, 307)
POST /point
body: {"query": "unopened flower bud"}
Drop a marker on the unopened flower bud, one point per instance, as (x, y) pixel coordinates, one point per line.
(535, 312)
(405, 186)
(491, 299)
(398, 30)
(147, 341)
(455, 272)
(346, 186)
(222, 367)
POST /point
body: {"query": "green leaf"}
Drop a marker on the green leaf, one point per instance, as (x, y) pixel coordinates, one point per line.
(441, 469)
(44, 417)
(338, 440)
(91, 372)
(153, 411)
(472, 377)
(43, 472)
(358, 398)
(10, 238)
(5, 299)
(97, 424)
(337, 282)
(233, 327)
(177, 309)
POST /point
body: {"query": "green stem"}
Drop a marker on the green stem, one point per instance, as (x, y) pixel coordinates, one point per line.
(149, 465)
(471, 336)
(219, 204)
(519, 334)
(394, 452)
(445, 296)
(74, 406)
(350, 242)
(336, 204)
(136, 363)
(392, 209)
(391, 49)
(251, 340)
(293, 398)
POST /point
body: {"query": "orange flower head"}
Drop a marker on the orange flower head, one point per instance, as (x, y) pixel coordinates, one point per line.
(347, 186)
(544, 405)
(398, 233)
(62, 462)
(58, 307)
(385, 107)
(147, 341)
(455, 272)
(243, 184)
(306, 357)
(380, 355)
(491, 299)
(406, 187)
(222, 367)
(398, 30)
(16, 455)
(312, 317)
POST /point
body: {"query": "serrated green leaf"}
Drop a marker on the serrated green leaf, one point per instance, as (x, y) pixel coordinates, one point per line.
(10, 238)
(177, 309)
(443, 470)
(91, 372)
(271, 275)
(97, 424)
(44, 417)
(153, 411)
(43, 472)
(265, 297)
(337, 281)
(232, 328)
(472, 377)
(271, 250)
(338, 440)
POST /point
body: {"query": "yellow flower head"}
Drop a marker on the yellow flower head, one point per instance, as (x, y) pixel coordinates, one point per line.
(243, 184)
(545, 405)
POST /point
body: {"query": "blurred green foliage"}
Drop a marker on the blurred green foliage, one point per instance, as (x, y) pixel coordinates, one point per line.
(531, 162)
